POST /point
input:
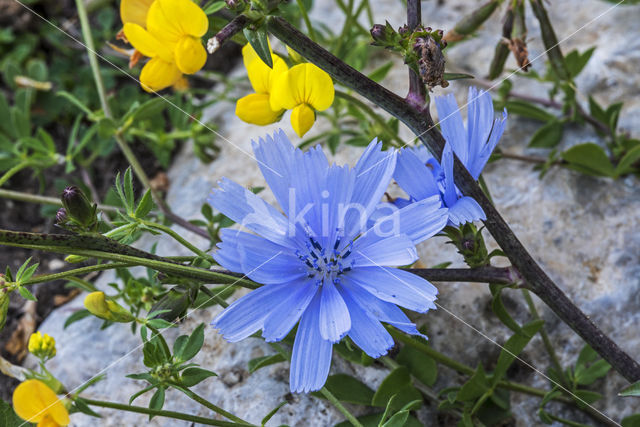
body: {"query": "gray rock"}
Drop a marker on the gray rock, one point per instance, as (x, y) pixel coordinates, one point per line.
(584, 232)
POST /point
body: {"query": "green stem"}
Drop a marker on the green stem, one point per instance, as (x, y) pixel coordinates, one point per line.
(545, 337)
(159, 413)
(435, 355)
(307, 21)
(204, 402)
(331, 398)
(14, 170)
(376, 117)
(75, 272)
(184, 242)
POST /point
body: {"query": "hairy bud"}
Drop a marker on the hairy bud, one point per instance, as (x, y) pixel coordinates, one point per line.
(79, 208)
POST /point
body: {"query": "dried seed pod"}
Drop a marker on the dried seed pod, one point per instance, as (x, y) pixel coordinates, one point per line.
(430, 61)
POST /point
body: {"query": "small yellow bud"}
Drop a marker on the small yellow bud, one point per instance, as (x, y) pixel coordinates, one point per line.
(98, 305)
(42, 346)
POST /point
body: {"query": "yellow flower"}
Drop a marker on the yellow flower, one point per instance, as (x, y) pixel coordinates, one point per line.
(33, 401)
(256, 108)
(135, 11)
(42, 346)
(171, 39)
(304, 89)
(98, 305)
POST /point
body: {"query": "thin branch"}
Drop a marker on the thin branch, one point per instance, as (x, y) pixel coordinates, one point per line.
(417, 96)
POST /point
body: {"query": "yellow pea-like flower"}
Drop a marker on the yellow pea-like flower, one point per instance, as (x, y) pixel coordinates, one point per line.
(98, 305)
(135, 11)
(305, 89)
(172, 39)
(35, 402)
(42, 346)
(256, 108)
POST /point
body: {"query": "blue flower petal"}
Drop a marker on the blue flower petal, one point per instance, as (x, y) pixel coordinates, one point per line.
(287, 312)
(419, 220)
(381, 310)
(452, 126)
(450, 195)
(366, 331)
(265, 261)
(396, 286)
(373, 250)
(246, 315)
(373, 173)
(249, 210)
(311, 357)
(334, 320)
(415, 178)
(227, 255)
(465, 210)
(275, 157)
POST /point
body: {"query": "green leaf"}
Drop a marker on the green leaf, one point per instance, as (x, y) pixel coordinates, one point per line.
(78, 315)
(598, 369)
(82, 406)
(527, 109)
(75, 101)
(271, 413)
(8, 417)
(576, 61)
(107, 127)
(192, 345)
(145, 205)
(261, 362)
(457, 76)
(590, 159)
(26, 294)
(477, 385)
(128, 187)
(587, 396)
(396, 385)
(194, 375)
(380, 73)
(260, 43)
(632, 390)
(625, 165)
(498, 308)
(347, 389)
(513, 347)
(547, 136)
(587, 355)
(213, 7)
(150, 109)
(373, 420)
(631, 421)
(140, 393)
(421, 366)
(157, 400)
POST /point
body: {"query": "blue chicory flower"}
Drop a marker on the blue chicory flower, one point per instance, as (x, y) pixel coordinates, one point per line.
(421, 176)
(319, 263)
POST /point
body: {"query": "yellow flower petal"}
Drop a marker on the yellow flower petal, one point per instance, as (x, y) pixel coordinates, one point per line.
(47, 421)
(163, 27)
(33, 401)
(249, 54)
(158, 74)
(303, 84)
(262, 77)
(135, 11)
(186, 15)
(255, 109)
(302, 118)
(146, 43)
(190, 55)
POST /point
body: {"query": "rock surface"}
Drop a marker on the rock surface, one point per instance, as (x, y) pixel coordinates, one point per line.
(585, 232)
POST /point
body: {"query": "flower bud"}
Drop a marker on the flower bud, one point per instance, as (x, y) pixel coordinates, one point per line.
(236, 4)
(377, 31)
(98, 305)
(176, 302)
(61, 216)
(78, 207)
(42, 346)
(470, 244)
(384, 35)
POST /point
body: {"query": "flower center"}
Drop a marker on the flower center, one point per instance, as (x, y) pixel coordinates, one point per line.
(326, 264)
